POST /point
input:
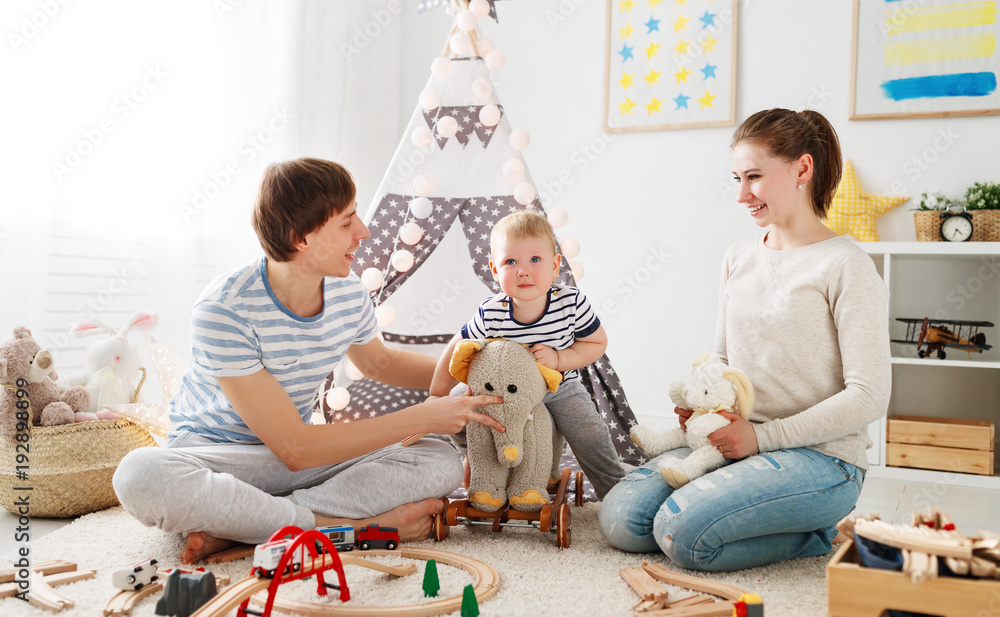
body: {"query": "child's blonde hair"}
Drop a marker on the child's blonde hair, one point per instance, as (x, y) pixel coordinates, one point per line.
(522, 224)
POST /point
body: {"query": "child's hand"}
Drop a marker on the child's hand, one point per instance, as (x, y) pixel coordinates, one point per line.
(545, 355)
(682, 416)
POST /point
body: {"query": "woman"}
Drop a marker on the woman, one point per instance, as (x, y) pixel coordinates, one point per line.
(802, 312)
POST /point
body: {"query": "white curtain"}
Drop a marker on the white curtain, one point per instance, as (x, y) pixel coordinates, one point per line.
(137, 134)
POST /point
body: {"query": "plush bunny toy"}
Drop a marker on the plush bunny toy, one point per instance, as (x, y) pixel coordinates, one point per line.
(113, 366)
(713, 387)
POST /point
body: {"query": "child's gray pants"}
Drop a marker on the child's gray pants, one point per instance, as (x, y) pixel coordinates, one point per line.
(245, 493)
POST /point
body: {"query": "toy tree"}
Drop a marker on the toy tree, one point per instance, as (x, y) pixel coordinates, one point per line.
(457, 170)
(431, 583)
(470, 607)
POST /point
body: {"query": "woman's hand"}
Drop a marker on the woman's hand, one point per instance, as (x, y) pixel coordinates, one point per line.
(683, 415)
(738, 440)
(448, 415)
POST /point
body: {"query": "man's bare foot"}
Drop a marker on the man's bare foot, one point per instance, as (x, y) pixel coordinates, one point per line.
(200, 545)
(413, 520)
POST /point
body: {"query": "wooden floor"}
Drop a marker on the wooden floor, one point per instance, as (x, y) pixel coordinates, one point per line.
(972, 508)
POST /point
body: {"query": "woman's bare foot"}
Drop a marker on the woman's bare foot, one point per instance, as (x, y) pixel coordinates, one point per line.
(200, 545)
(841, 538)
(412, 520)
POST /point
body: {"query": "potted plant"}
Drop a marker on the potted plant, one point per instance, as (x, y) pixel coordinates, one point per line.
(982, 200)
(927, 218)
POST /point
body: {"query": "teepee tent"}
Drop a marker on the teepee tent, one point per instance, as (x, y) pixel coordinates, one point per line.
(457, 170)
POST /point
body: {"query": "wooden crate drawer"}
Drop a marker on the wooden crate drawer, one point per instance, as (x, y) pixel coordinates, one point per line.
(856, 591)
(944, 444)
(941, 432)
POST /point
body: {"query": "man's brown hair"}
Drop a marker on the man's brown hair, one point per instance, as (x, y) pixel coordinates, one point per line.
(296, 198)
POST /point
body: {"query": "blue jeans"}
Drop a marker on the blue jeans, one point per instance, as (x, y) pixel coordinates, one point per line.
(759, 510)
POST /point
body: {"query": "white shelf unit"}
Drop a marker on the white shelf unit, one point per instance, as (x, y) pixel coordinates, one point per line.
(940, 280)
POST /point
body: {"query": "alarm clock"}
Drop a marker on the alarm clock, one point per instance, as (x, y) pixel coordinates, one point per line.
(956, 226)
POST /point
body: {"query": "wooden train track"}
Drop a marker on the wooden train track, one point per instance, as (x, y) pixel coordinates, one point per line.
(41, 579)
(123, 602)
(486, 583)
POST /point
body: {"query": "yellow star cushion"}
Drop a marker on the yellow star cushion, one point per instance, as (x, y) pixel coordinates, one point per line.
(854, 211)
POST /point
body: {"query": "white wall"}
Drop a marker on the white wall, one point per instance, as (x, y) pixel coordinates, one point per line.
(635, 197)
(632, 198)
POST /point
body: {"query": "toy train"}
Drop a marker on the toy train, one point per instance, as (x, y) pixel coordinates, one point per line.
(135, 577)
(343, 537)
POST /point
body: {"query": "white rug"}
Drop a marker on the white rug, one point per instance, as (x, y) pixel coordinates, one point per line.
(536, 577)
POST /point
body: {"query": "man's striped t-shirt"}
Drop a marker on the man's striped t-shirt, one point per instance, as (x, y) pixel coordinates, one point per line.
(568, 316)
(239, 327)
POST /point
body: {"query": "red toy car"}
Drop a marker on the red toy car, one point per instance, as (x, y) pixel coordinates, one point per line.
(374, 536)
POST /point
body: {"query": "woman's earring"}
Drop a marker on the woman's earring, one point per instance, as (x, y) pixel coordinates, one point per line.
(802, 186)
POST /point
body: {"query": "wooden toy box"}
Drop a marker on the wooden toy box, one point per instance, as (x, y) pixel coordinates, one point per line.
(856, 591)
(946, 444)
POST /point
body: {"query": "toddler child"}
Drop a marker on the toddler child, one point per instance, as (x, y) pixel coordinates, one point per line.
(559, 327)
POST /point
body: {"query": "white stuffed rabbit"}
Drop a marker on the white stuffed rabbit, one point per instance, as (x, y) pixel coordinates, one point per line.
(713, 387)
(113, 365)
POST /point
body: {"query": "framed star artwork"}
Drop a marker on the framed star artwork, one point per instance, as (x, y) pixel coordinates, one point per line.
(670, 64)
(924, 60)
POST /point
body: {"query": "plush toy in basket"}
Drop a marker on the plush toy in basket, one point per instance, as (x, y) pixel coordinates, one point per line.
(26, 367)
(114, 371)
(712, 387)
(69, 464)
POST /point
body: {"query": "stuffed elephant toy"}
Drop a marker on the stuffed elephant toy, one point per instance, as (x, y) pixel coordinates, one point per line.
(518, 463)
(712, 387)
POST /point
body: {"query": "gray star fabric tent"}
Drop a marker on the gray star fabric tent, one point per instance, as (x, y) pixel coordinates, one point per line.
(470, 177)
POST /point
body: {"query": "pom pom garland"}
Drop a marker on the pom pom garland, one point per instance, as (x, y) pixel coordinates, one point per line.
(402, 260)
(429, 100)
(423, 185)
(411, 233)
(460, 43)
(466, 20)
(385, 315)
(441, 67)
(338, 398)
(577, 268)
(558, 217)
(524, 193)
(421, 207)
(495, 60)
(447, 126)
(489, 115)
(421, 137)
(570, 247)
(519, 139)
(371, 278)
(479, 8)
(513, 170)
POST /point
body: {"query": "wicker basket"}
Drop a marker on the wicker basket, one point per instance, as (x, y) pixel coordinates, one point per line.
(928, 225)
(985, 225)
(70, 467)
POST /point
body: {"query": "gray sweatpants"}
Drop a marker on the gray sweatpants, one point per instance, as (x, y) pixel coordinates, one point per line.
(244, 493)
(576, 417)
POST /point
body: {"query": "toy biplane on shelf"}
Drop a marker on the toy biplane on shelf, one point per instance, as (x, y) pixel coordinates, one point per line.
(940, 333)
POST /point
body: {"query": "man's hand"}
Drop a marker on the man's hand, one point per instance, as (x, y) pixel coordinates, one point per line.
(448, 415)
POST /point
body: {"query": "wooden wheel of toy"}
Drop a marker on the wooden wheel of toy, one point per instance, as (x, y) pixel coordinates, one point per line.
(579, 489)
(455, 510)
(563, 533)
(439, 525)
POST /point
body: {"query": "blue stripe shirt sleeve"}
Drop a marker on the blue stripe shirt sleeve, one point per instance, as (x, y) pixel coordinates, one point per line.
(222, 343)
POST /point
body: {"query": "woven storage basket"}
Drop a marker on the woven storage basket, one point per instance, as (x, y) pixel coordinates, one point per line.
(985, 225)
(928, 225)
(70, 466)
